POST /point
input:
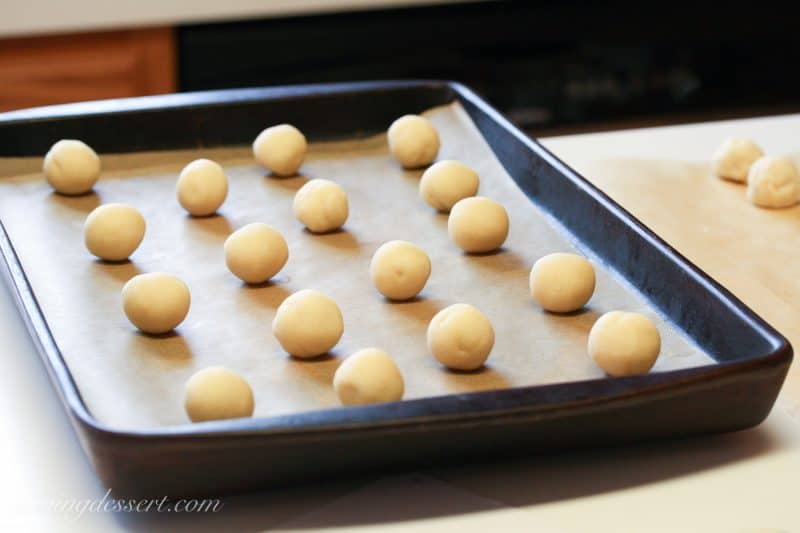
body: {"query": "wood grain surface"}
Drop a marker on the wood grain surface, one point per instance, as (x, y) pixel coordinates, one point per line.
(37, 71)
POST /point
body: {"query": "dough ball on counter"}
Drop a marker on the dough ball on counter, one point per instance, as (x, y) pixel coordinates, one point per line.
(308, 324)
(71, 167)
(216, 393)
(447, 182)
(562, 282)
(202, 187)
(624, 344)
(773, 182)
(413, 141)
(155, 302)
(478, 224)
(256, 252)
(733, 159)
(321, 205)
(368, 376)
(399, 269)
(113, 231)
(280, 149)
(460, 337)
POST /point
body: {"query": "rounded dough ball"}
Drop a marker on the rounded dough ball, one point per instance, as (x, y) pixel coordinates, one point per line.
(155, 302)
(460, 337)
(733, 159)
(202, 187)
(216, 393)
(399, 269)
(321, 205)
(624, 344)
(280, 149)
(71, 167)
(113, 231)
(478, 224)
(447, 182)
(413, 141)
(255, 252)
(368, 376)
(773, 182)
(308, 323)
(562, 282)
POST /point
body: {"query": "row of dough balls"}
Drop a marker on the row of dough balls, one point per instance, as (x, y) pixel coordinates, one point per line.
(475, 224)
(772, 182)
(158, 302)
(459, 336)
(72, 167)
(367, 376)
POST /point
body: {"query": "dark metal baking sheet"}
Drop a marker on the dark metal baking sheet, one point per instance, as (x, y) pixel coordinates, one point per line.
(226, 456)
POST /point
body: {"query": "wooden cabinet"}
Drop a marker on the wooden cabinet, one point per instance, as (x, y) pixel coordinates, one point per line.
(45, 70)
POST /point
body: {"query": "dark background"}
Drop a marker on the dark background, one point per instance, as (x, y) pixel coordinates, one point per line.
(550, 66)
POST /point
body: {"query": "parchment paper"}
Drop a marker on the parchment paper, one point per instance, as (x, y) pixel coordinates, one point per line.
(129, 380)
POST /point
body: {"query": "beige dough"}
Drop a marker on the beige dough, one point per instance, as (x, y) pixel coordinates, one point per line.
(280, 149)
(216, 393)
(202, 187)
(113, 231)
(562, 282)
(155, 303)
(256, 252)
(733, 159)
(478, 224)
(71, 167)
(308, 324)
(321, 205)
(773, 182)
(624, 344)
(447, 182)
(413, 141)
(368, 376)
(399, 269)
(460, 337)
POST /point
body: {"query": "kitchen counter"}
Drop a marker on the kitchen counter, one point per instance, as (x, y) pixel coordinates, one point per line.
(744, 481)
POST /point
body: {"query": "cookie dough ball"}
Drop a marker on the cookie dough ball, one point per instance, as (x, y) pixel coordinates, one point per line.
(562, 282)
(321, 205)
(255, 252)
(399, 269)
(71, 167)
(156, 302)
(216, 393)
(478, 224)
(280, 149)
(624, 344)
(447, 182)
(773, 182)
(413, 141)
(308, 323)
(113, 231)
(733, 159)
(202, 187)
(368, 376)
(460, 337)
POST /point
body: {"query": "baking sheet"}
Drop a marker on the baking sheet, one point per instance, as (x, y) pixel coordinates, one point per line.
(129, 380)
